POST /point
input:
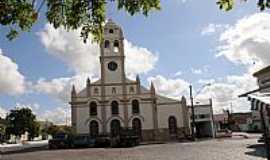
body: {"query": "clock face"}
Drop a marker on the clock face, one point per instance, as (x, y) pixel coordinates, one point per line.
(112, 66)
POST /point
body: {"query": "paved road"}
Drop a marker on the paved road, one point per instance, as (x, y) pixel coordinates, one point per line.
(229, 149)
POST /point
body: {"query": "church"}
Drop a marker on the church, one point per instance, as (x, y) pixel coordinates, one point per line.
(114, 101)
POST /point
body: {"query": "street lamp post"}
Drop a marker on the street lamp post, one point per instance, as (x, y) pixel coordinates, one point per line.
(193, 133)
(192, 114)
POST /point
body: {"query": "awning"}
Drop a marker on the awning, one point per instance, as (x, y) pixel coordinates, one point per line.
(259, 101)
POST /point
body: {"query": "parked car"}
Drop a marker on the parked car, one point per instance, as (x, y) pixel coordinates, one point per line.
(83, 141)
(61, 140)
(102, 140)
(128, 137)
(262, 139)
(224, 133)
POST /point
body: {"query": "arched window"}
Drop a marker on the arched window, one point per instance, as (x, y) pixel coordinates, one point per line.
(135, 106)
(96, 91)
(115, 127)
(113, 90)
(172, 125)
(131, 89)
(107, 44)
(137, 126)
(93, 127)
(93, 109)
(115, 107)
(116, 46)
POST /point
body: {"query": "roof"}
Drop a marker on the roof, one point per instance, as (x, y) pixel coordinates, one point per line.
(262, 97)
(221, 117)
(265, 69)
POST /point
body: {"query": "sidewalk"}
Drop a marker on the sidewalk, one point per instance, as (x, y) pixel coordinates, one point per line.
(11, 148)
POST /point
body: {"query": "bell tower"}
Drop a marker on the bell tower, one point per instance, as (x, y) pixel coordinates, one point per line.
(112, 54)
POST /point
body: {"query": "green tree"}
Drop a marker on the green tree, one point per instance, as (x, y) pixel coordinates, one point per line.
(228, 4)
(22, 120)
(89, 15)
(55, 129)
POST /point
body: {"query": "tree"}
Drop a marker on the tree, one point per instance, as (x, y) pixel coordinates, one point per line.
(55, 129)
(89, 15)
(21, 121)
(228, 4)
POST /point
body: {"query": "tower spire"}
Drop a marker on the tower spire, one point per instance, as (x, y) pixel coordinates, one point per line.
(152, 88)
(73, 92)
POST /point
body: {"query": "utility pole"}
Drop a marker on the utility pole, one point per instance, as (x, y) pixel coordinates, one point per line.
(192, 114)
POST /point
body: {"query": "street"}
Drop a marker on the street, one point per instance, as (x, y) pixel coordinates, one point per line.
(217, 149)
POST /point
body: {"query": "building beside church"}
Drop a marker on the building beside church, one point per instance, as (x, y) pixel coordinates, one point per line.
(114, 101)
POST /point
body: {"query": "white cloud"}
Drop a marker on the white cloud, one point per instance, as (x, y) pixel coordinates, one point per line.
(84, 58)
(11, 80)
(59, 115)
(206, 81)
(3, 112)
(196, 71)
(170, 87)
(213, 28)
(179, 73)
(60, 88)
(202, 70)
(226, 92)
(138, 59)
(68, 47)
(248, 41)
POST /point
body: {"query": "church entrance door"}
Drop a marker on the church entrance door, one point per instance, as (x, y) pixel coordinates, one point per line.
(93, 128)
(137, 127)
(115, 128)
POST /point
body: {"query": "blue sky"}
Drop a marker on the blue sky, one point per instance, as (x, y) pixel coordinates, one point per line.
(184, 38)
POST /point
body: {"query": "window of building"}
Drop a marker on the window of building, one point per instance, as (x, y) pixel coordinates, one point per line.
(131, 90)
(96, 91)
(135, 107)
(115, 107)
(111, 31)
(116, 46)
(113, 90)
(93, 109)
(107, 44)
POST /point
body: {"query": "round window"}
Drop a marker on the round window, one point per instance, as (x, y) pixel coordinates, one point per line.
(112, 66)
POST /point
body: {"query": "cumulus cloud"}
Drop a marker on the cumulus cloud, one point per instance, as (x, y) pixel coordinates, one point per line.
(12, 82)
(247, 42)
(68, 47)
(60, 87)
(202, 70)
(179, 73)
(59, 115)
(225, 92)
(3, 112)
(174, 88)
(84, 58)
(213, 28)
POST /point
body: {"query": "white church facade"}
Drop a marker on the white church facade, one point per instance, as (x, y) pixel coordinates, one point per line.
(114, 101)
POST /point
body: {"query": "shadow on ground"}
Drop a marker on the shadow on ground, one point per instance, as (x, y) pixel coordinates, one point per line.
(258, 150)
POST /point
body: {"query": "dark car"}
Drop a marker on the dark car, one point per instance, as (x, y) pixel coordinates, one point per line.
(128, 137)
(83, 141)
(61, 140)
(103, 140)
(262, 139)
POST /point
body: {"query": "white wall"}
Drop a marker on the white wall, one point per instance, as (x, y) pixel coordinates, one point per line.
(82, 117)
(165, 111)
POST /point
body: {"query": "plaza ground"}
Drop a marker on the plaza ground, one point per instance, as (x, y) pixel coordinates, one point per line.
(215, 149)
